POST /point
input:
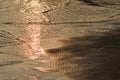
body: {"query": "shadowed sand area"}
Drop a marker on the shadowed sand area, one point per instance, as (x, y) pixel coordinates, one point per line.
(89, 57)
(59, 40)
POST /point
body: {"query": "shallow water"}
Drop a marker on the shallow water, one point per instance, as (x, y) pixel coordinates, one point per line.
(59, 40)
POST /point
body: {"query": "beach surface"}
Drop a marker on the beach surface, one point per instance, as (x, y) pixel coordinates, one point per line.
(59, 39)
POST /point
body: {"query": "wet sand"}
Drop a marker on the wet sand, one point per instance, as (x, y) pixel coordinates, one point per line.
(59, 40)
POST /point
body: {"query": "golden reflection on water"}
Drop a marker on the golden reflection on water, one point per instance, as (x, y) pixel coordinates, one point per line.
(31, 13)
(32, 47)
(39, 6)
(35, 6)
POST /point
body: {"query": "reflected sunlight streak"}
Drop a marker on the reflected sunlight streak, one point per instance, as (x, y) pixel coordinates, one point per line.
(31, 13)
(32, 48)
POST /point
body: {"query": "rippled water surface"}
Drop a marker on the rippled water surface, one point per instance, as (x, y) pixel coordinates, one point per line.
(59, 40)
